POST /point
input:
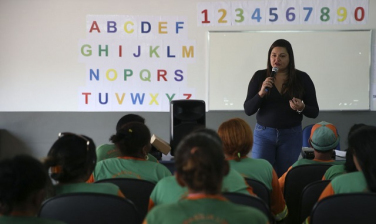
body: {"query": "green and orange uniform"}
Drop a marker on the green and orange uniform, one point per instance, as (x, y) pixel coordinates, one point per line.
(129, 167)
(262, 170)
(203, 208)
(168, 190)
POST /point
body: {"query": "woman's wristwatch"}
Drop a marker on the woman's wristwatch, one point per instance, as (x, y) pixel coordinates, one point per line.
(300, 111)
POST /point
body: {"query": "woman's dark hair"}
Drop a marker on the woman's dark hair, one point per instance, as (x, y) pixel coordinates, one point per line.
(293, 85)
(129, 118)
(131, 139)
(71, 157)
(200, 162)
(349, 163)
(20, 177)
(362, 142)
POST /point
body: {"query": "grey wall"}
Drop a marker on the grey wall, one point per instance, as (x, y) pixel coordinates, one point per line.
(34, 132)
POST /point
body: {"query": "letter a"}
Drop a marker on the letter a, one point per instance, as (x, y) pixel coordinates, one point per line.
(94, 26)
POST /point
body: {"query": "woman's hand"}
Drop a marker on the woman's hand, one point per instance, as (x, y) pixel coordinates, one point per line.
(268, 83)
(297, 104)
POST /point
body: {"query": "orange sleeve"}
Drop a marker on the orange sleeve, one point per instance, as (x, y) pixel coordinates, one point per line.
(120, 194)
(282, 179)
(328, 191)
(91, 179)
(278, 204)
(144, 222)
(250, 189)
(323, 178)
(151, 204)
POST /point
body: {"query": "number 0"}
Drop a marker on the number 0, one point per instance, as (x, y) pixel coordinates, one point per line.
(356, 14)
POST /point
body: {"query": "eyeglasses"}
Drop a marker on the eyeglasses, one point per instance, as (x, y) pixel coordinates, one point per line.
(61, 134)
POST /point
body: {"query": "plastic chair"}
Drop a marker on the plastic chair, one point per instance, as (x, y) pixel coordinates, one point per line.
(306, 133)
(345, 208)
(310, 196)
(259, 189)
(296, 179)
(77, 208)
(252, 201)
(136, 190)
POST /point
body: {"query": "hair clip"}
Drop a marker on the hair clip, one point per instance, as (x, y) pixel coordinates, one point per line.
(56, 169)
(193, 150)
(239, 155)
(130, 130)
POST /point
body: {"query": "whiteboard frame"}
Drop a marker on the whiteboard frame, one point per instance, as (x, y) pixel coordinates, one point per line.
(210, 95)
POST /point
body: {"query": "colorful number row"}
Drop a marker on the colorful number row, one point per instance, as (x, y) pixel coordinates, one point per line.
(282, 12)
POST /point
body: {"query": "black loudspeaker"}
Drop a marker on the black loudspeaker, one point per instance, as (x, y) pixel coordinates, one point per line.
(186, 116)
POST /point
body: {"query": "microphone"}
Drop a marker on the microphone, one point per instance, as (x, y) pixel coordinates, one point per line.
(274, 71)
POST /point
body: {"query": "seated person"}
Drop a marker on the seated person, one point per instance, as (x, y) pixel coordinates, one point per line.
(237, 139)
(23, 187)
(133, 141)
(200, 166)
(168, 189)
(71, 161)
(106, 151)
(363, 145)
(349, 165)
(323, 139)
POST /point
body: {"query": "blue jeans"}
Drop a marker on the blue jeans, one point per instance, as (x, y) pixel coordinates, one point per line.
(281, 147)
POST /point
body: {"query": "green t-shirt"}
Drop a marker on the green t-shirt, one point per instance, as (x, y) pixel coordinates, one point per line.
(104, 188)
(257, 169)
(107, 151)
(168, 190)
(334, 171)
(350, 183)
(27, 220)
(128, 167)
(313, 161)
(205, 210)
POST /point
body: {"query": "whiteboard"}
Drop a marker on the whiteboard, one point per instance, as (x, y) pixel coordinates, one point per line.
(338, 63)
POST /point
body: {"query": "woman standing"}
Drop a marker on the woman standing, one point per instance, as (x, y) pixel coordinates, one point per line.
(280, 95)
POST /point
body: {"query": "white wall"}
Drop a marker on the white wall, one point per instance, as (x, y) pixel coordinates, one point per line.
(42, 68)
(41, 37)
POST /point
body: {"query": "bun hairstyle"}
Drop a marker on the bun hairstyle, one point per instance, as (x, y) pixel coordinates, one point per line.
(237, 138)
(71, 157)
(132, 138)
(200, 161)
(362, 142)
(20, 178)
(129, 118)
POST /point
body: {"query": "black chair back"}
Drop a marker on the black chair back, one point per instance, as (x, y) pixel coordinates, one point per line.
(252, 201)
(296, 179)
(310, 196)
(77, 208)
(259, 189)
(136, 190)
(345, 209)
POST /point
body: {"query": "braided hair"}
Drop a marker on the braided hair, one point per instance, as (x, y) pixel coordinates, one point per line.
(200, 162)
